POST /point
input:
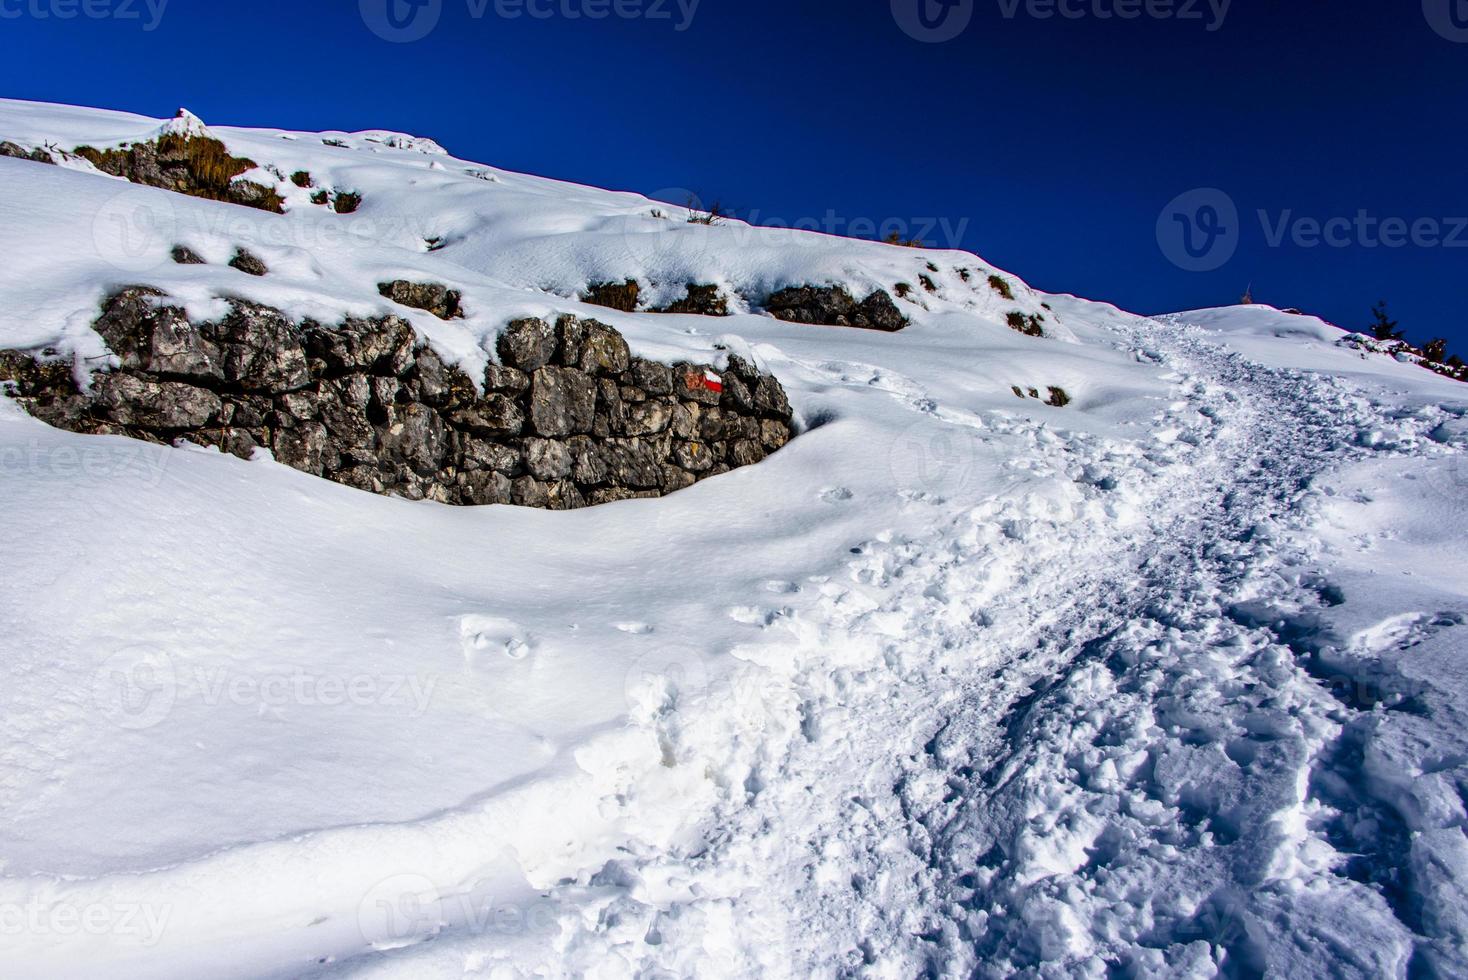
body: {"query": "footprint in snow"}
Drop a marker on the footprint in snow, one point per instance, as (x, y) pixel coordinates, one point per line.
(636, 629)
(479, 635)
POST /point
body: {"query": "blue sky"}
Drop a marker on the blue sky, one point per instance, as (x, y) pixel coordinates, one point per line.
(1070, 148)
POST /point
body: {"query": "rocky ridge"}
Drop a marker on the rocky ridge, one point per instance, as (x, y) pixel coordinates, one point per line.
(568, 418)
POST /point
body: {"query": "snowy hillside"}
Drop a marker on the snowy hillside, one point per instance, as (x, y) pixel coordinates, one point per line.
(1164, 678)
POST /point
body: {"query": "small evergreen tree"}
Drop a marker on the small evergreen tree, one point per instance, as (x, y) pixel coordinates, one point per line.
(1384, 327)
(1435, 351)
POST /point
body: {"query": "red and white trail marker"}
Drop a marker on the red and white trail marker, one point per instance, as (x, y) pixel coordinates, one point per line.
(706, 380)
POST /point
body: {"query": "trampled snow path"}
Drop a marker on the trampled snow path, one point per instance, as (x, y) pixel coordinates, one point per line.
(1046, 739)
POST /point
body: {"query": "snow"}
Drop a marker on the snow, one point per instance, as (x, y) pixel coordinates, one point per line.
(1167, 682)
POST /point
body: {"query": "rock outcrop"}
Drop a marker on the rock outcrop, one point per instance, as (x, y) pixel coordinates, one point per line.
(833, 306)
(38, 155)
(247, 262)
(435, 298)
(199, 166)
(621, 296)
(569, 418)
(701, 299)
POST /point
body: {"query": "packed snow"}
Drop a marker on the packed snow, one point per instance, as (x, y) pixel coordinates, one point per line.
(1167, 682)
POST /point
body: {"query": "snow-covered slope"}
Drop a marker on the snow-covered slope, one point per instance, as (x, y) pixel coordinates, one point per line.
(1164, 682)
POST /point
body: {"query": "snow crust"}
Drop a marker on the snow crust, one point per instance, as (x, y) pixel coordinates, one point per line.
(1167, 682)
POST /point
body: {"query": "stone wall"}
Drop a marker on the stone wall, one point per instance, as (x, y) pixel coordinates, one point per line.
(567, 419)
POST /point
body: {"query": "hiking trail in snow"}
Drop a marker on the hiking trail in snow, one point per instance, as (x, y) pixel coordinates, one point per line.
(1063, 734)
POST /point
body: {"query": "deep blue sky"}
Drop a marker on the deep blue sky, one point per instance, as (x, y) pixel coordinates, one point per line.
(1059, 142)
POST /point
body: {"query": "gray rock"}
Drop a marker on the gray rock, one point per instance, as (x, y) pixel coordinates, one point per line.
(527, 345)
(712, 427)
(737, 396)
(438, 384)
(547, 459)
(564, 495)
(383, 347)
(773, 435)
(262, 350)
(418, 439)
(248, 263)
(770, 400)
(589, 468)
(530, 492)
(491, 418)
(302, 448)
(432, 297)
(362, 405)
(687, 420)
(610, 408)
(648, 418)
(299, 405)
(167, 405)
(695, 457)
(506, 379)
(633, 463)
(479, 454)
(702, 300)
(183, 255)
(38, 155)
(571, 340)
(605, 352)
(676, 478)
(879, 312)
(236, 442)
(834, 306)
(562, 402)
(652, 377)
(746, 452)
(484, 488)
(158, 339)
